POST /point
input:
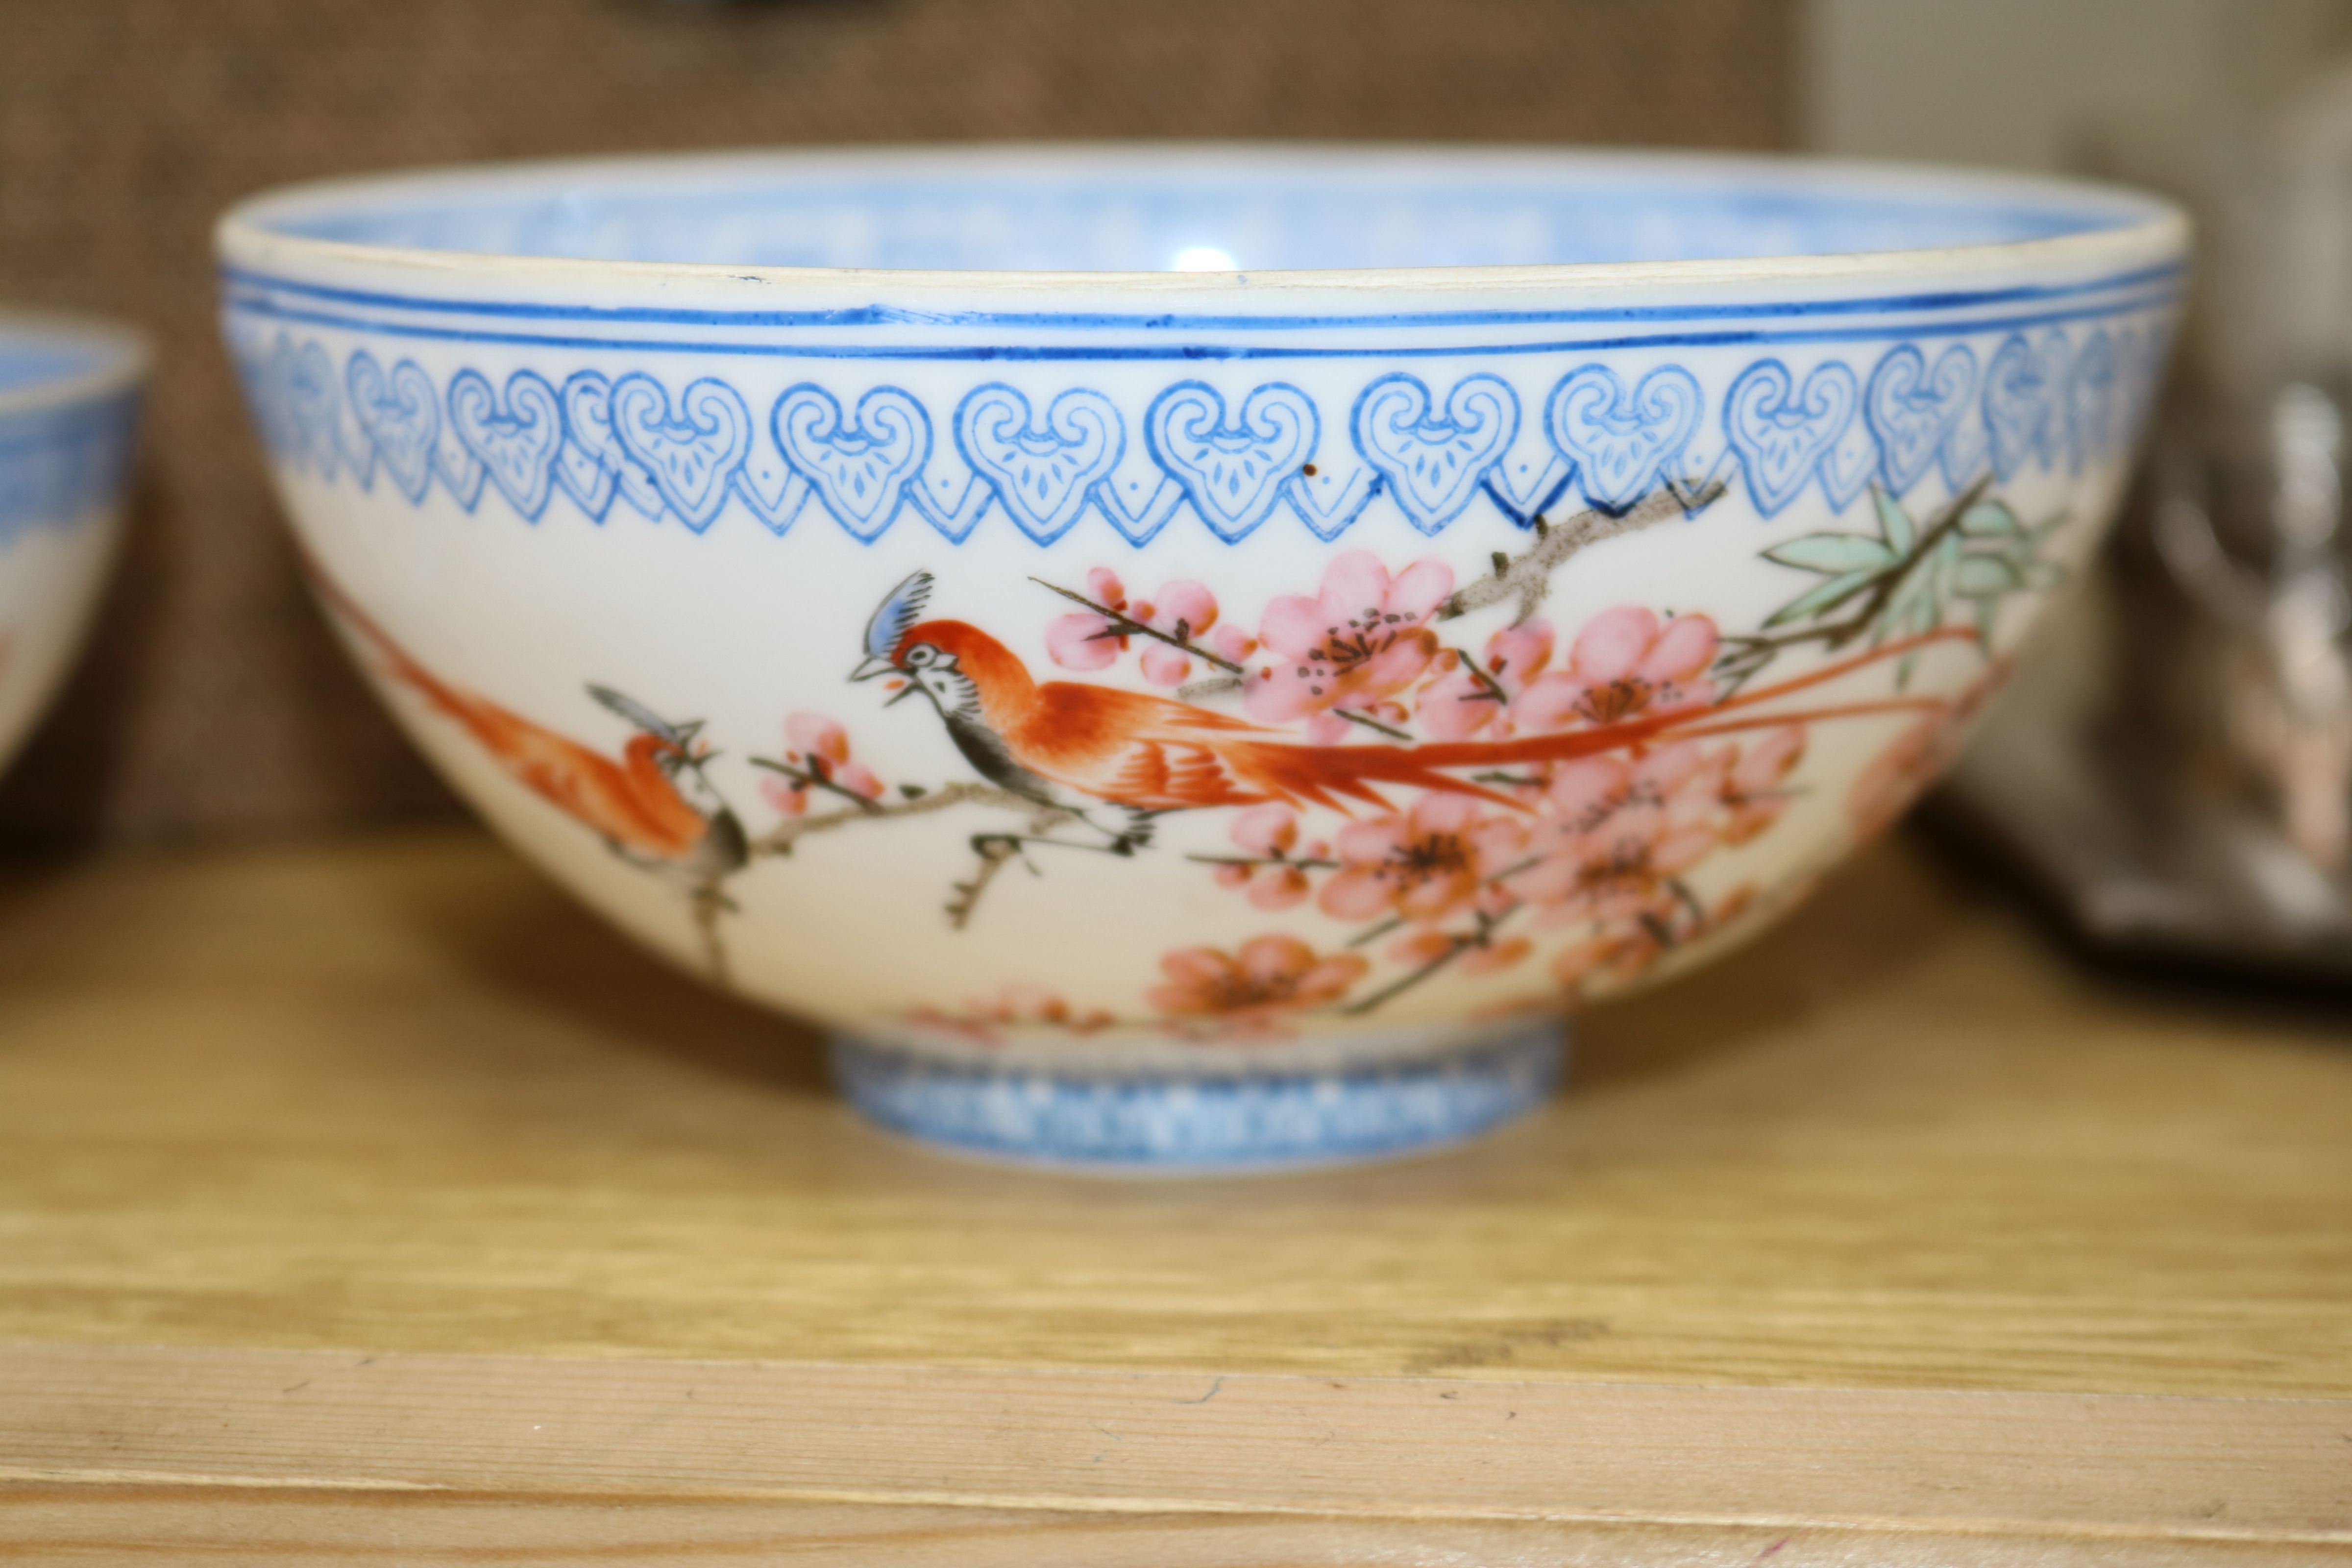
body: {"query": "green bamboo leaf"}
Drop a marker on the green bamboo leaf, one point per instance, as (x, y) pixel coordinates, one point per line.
(1990, 520)
(1834, 554)
(1893, 522)
(1926, 615)
(1913, 600)
(1985, 578)
(1821, 598)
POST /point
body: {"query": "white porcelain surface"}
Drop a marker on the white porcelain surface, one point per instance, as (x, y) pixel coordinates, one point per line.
(681, 430)
(69, 405)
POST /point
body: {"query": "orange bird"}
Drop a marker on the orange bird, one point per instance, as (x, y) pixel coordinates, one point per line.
(1059, 740)
(653, 807)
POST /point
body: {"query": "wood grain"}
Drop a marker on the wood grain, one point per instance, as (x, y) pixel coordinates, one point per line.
(398, 1096)
(2122, 1465)
(225, 1528)
(366, 1200)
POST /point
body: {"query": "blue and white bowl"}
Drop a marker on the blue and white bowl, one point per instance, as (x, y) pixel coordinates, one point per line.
(69, 410)
(1194, 658)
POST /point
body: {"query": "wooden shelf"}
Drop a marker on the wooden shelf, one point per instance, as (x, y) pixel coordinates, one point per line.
(369, 1192)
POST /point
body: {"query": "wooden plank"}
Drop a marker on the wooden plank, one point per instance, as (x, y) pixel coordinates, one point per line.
(97, 1527)
(400, 1096)
(2121, 1466)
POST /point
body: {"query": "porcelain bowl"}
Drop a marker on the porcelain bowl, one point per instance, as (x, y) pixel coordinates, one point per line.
(69, 392)
(1194, 658)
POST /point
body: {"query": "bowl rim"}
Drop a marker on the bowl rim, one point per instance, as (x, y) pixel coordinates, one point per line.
(124, 354)
(2151, 226)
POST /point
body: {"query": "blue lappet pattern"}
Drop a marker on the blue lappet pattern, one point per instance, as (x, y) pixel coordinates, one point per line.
(59, 465)
(2053, 398)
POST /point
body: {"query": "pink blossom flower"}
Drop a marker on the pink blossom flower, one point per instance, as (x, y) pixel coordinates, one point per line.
(1015, 1004)
(1363, 638)
(1458, 705)
(1083, 641)
(1265, 830)
(1751, 784)
(1278, 888)
(1470, 954)
(1183, 610)
(816, 738)
(1267, 975)
(1426, 864)
(1614, 957)
(786, 796)
(1494, 957)
(1268, 832)
(1019, 1003)
(1617, 832)
(1416, 949)
(1911, 762)
(818, 747)
(1898, 775)
(1619, 952)
(1625, 662)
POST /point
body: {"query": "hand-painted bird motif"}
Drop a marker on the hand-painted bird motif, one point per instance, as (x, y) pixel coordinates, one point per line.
(654, 806)
(1063, 744)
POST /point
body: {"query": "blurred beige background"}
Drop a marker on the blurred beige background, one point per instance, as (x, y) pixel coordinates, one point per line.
(212, 702)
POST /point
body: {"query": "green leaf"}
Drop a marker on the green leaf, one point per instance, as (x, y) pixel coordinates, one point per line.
(2045, 575)
(1990, 520)
(1893, 522)
(1924, 614)
(1834, 554)
(1823, 598)
(1985, 578)
(1915, 599)
(1987, 609)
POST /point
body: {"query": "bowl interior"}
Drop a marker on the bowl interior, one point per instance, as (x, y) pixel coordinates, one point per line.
(48, 361)
(1202, 210)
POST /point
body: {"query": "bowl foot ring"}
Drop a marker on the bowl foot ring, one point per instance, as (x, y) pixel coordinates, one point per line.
(1189, 1124)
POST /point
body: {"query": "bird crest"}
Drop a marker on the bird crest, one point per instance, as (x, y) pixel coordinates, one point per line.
(645, 719)
(898, 614)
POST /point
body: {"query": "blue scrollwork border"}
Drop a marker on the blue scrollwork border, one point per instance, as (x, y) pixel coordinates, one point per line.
(2054, 398)
(60, 466)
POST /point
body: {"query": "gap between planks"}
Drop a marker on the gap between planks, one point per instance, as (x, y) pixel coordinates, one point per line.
(1111, 1442)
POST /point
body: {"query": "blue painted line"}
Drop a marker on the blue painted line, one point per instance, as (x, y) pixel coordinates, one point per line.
(1060, 353)
(883, 315)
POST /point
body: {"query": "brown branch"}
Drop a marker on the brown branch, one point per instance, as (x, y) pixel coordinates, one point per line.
(1202, 690)
(1368, 722)
(1128, 626)
(1527, 578)
(995, 854)
(811, 778)
(708, 903)
(1457, 943)
(791, 830)
(1835, 635)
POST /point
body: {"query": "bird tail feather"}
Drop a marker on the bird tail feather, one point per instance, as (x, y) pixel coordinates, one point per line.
(1335, 775)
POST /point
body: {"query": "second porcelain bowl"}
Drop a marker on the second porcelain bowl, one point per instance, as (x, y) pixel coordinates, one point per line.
(70, 394)
(1194, 658)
